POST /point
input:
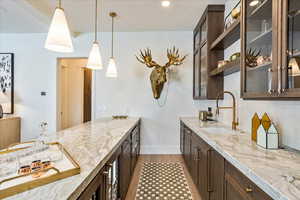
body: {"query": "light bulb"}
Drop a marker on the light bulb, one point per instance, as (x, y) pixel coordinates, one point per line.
(165, 3)
(112, 69)
(59, 37)
(95, 59)
(254, 3)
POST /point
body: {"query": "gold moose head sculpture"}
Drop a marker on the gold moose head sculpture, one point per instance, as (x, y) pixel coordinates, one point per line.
(158, 75)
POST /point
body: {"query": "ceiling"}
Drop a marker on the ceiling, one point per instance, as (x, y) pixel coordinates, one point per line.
(34, 16)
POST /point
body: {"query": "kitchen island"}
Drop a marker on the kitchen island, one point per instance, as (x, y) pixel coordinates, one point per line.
(92, 145)
(235, 167)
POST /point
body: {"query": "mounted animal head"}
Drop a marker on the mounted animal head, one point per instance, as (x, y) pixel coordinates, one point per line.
(158, 75)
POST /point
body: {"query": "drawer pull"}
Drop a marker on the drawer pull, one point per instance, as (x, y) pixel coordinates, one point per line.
(248, 190)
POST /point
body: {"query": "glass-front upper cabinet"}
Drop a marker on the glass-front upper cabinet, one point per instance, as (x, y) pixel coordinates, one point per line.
(290, 73)
(200, 63)
(271, 49)
(258, 49)
(209, 27)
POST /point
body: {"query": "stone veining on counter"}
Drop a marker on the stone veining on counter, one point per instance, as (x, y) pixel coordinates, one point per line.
(277, 172)
(90, 144)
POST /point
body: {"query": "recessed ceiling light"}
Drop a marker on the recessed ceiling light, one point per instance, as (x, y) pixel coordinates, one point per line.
(165, 3)
(254, 3)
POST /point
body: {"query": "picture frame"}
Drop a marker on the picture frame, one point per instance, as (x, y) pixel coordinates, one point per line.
(7, 82)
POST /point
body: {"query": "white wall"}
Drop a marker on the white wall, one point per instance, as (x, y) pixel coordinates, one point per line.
(35, 71)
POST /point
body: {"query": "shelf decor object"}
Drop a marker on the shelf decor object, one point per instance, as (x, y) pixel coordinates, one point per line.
(95, 59)
(112, 69)
(256, 122)
(53, 163)
(7, 82)
(268, 139)
(227, 69)
(233, 15)
(158, 75)
(59, 36)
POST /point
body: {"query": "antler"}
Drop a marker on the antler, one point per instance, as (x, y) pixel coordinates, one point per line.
(174, 57)
(146, 58)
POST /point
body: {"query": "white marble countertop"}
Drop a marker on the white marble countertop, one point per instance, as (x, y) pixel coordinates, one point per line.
(277, 172)
(90, 144)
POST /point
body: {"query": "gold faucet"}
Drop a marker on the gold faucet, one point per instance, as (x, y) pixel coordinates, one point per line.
(235, 120)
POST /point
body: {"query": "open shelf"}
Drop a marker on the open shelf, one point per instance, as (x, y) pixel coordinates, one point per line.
(260, 67)
(227, 69)
(228, 37)
(262, 11)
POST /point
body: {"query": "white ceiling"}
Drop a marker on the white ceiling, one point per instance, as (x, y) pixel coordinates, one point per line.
(34, 16)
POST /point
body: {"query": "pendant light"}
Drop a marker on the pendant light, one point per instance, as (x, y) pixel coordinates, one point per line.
(112, 69)
(59, 37)
(95, 60)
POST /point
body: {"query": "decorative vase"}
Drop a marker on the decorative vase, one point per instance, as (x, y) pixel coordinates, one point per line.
(235, 13)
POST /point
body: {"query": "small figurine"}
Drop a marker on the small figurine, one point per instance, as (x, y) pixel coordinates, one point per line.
(268, 139)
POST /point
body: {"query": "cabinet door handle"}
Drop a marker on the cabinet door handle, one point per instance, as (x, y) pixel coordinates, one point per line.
(209, 181)
(279, 80)
(196, 156)
(249, 190)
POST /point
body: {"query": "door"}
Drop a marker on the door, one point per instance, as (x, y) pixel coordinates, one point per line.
(112, 180)
(260, 49)
(187, 147)
(125, 168)
(87, 99)
(134, 148)
(74, 92)
(64, 98)
(290, 68)
(181, 137)
(233, 191)
(194, 159)
(96, 189)
(216, 174)
(203, 165)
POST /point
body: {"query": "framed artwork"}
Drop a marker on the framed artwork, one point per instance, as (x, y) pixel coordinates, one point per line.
(7, 82)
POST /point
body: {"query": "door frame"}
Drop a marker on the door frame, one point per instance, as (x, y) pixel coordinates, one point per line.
(58, 99)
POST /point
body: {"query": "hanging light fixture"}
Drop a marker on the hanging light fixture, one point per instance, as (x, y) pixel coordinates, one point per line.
(95, 60)
(59, 37)
(112, 69)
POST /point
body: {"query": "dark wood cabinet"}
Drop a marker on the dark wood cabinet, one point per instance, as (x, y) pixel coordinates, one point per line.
(112, 182)
(210, 26)
(269, 28)
(239, 187)
(215, 178)
(125, 168)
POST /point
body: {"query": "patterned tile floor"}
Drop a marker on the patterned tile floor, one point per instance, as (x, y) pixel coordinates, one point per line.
(163, 181)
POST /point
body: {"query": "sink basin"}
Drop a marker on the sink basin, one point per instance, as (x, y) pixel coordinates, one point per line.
(219, 130)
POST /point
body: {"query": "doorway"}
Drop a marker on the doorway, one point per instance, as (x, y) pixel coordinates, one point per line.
(74, 92)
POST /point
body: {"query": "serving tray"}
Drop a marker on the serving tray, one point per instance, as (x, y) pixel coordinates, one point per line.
(65, 167)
